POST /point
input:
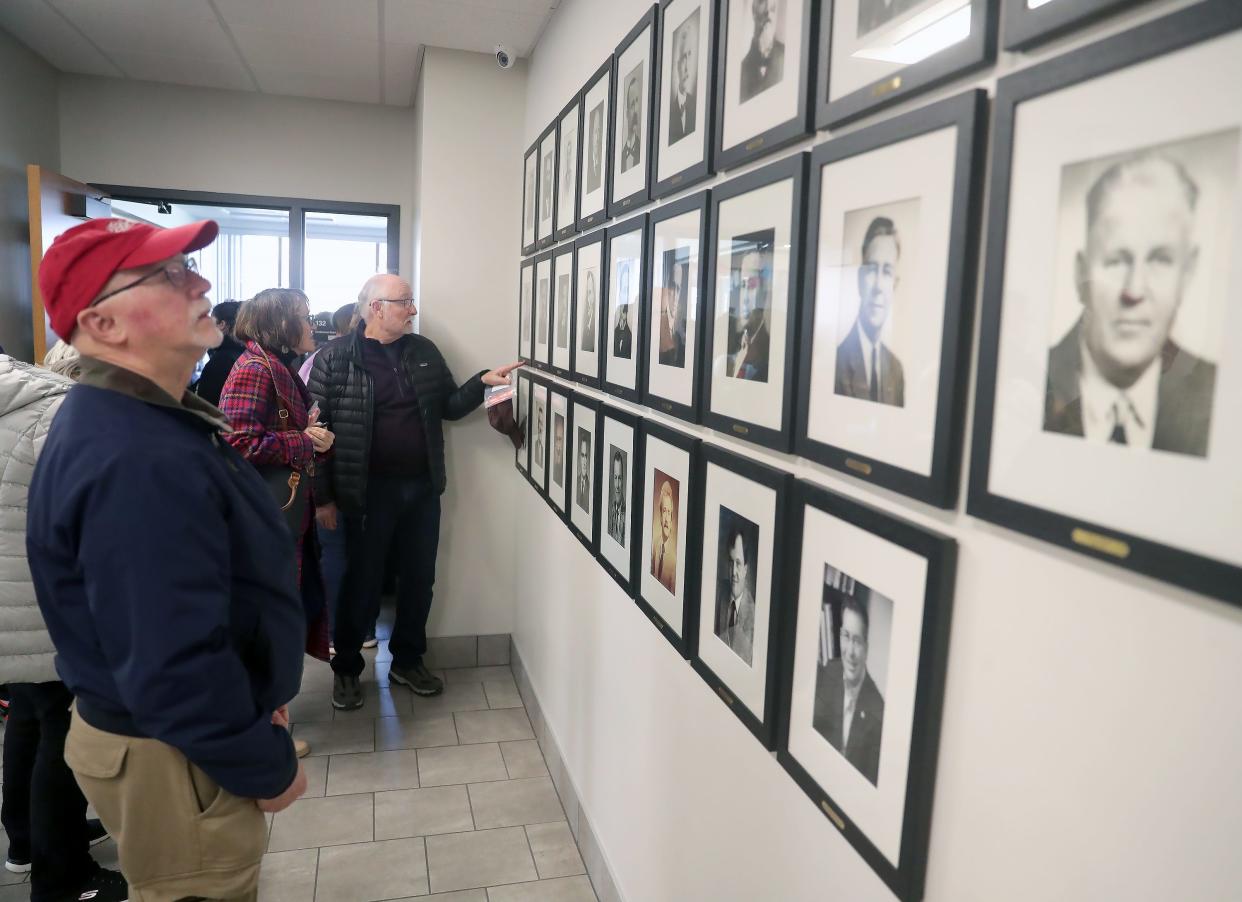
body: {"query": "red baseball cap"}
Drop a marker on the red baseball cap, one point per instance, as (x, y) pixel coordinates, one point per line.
(81, 261)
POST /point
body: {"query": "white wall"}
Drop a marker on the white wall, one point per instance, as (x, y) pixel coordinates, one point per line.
(1091, 725)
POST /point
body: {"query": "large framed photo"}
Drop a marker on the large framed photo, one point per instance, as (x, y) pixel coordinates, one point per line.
(522, 398)
(590, 309)
(753, 282)
(682, 146)
(593, 185)
(618, 498)
(677, 270)
(569, 154)
(539, 434)
(741, 585)
(864, 665)
(1030, 22)
(545, 223)
(526, 306)
(890, 263)
(625, 327)
(543, 311)
(633, 104)
(530, 197)
(763, 89)
(559, 432)
(562, 310)
(873, 53)
(585, 452)
(1114, 260)
(668, 565)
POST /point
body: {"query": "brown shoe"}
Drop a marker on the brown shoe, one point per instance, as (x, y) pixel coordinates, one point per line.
(301, 747)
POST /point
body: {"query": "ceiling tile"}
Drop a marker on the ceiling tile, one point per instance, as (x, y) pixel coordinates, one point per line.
(40, 28)
(360, 84)
(355, 18)
(175, 69)
(180, 27)
(275, 50)
(401, 63)
(461, 26)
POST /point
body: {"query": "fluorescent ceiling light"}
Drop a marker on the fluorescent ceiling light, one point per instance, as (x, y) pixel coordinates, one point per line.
(946, 31)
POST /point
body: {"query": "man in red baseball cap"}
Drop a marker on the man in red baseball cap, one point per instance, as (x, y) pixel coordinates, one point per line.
(164, 572)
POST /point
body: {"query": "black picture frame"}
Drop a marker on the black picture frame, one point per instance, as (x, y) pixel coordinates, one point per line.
(691, 412)
(639, 340)
(691, 542)
(624, 205)
(907, 878)
(550, 132)
(589, 219)
(521, 456)
(974, 52)
(1099, 541)
(529, 247)
(555, 389)
(697, 172)
(540, 487)
(765, 729)
(536, 261)
(784, 133)
(625, 580)
(526, 266)
(578, 402)
(1026, 27)
(601, 307)
(568, 230)
(968, 113)
(792, 167)
(559, 253)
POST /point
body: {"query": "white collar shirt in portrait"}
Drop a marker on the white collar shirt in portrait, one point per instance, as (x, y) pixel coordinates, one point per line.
(1104, 406)
(847, 710)
(867, 347)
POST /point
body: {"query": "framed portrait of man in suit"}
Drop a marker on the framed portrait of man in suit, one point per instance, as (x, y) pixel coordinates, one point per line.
(522, 413)
(889, 270)
(539, 432)
(633, 108)
(593, 184)
(526, 310)
(545, 222)
(1104, 405)
(544, 323)
(589, 308)
(617, 496)
(563, 344)
(560, 452)
(530, 198)
(569, 154)
(585, 448)
(685, 110)
(866, 648)
(625, 327)
(741, 584)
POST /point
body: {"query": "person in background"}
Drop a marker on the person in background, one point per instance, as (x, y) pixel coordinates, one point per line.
(164, 573)
(44, 811)
(221, 358)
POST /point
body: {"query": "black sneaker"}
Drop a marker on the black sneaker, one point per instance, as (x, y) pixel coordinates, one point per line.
(102, 886)
(96, 831)
(346, 692)
(421, 680)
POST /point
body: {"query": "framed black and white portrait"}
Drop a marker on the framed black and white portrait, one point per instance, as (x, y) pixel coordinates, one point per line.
(682, 146)
(530, 197)
(633, 102)
(617, 496)
(865, 652)
(526, 309)
(562, 309)
(543, 311)
(522, 413)
(590, 308)
(752, 283)
(668, 564)
(624, 328)
(539, 416)
(873, 53)
(1030, 22)
(594, 180)
(741, 588)
(545, 221)
(569, 139)
(763, 89)
(559, 455)
(584, 472)
(677, 270)
(1104, 392)
(890, 263)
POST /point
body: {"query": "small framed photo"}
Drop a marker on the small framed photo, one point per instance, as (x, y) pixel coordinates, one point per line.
(668, 564)
(753, 282)
(890, 263)
(522, 399)
(585, 449)
(625, 286)
(763, 90)
(1030, 22)
(526, 306)
(530, 198)
(618, 497)
(685, 112)
(539, 434)
(589, 309)
(633, 112)
(562, 310)
(873, 53)
(558, 436)
(545, 223)
(677, 271)
(741, 585)
(1104, 417)
(543, 311)
(594, 185)
(569, 137)
(865, 652)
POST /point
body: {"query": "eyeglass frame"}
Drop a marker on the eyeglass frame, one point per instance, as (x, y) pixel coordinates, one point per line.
(404, 302)
(187, 265)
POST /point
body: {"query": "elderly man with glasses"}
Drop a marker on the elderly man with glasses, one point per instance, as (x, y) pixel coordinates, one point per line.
(386, 393)
(165, 574)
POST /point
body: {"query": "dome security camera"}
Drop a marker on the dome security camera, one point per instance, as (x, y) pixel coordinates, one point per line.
(504, 57)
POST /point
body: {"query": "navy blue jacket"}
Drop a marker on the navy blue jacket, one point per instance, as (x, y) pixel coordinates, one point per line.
(167, 579)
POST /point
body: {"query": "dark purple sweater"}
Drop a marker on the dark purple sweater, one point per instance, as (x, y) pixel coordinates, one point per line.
(398, 443)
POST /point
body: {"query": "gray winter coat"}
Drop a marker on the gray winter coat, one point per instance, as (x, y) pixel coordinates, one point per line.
(29, 398)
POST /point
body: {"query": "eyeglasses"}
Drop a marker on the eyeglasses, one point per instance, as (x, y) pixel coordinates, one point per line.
(178, 274)
(404, 302)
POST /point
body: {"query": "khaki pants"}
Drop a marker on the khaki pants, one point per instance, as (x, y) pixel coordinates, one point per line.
(180, 836)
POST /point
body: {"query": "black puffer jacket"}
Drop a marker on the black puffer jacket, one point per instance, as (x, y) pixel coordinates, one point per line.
(346, 392)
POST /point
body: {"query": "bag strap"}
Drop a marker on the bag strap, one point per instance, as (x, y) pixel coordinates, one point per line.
(282, 406)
